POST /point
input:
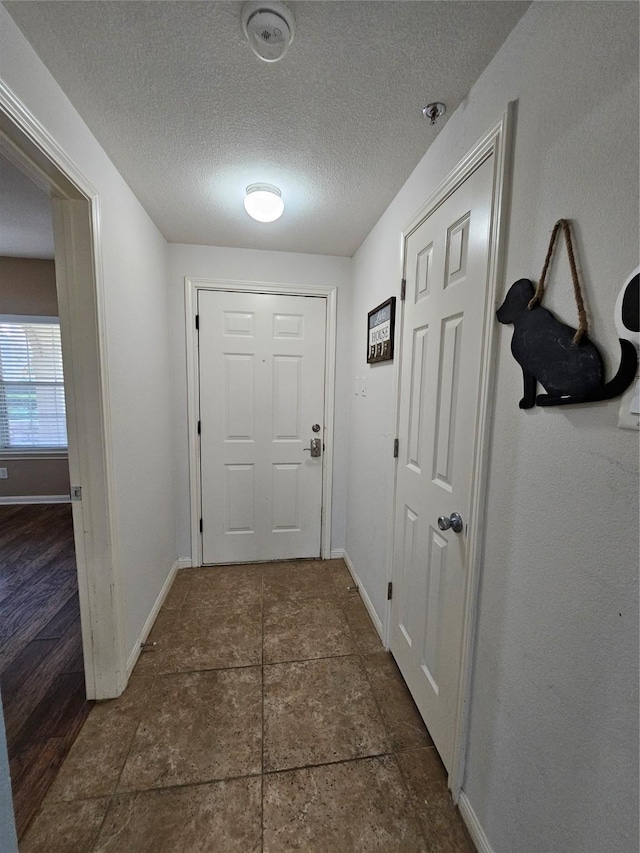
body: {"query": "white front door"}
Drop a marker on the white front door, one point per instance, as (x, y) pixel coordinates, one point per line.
(262, 372)
(446, 272)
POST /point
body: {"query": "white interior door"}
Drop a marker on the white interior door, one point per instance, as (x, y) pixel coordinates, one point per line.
(262, 374)
(446, 276)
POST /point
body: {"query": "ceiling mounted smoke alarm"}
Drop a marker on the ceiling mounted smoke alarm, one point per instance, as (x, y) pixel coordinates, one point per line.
(269, 27)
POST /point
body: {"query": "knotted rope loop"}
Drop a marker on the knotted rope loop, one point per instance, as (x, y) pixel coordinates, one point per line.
(577, 291)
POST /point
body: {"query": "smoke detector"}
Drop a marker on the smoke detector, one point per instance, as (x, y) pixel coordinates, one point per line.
(269, 27)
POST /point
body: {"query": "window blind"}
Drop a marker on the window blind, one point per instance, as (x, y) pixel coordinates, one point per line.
(32, 407)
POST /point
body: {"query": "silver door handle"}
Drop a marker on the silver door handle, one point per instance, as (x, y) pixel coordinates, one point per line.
(454, 521)
(315, 449)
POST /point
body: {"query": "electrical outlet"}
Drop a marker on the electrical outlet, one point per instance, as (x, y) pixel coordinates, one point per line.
(4, 474)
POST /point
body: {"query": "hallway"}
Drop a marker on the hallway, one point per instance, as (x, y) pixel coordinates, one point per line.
(270, 718)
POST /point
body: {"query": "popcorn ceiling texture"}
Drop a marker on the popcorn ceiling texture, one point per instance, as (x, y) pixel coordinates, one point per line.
(190, 116)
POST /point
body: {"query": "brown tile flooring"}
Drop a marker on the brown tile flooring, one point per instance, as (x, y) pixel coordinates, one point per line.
(41, 666)
(268, 719)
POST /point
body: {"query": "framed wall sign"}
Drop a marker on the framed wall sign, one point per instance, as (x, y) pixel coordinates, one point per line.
(380, 332)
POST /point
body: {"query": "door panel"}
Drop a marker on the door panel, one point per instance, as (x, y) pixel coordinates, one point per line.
(261, 368)
(446, 269)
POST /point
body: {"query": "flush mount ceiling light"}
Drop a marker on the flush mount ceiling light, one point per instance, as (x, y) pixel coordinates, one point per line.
(264, 202)
(270, 28)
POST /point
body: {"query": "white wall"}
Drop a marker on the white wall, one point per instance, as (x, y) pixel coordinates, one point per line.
(135, 281)
(553, 753)
(274, 267)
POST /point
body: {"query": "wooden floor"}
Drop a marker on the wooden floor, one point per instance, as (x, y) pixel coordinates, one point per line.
(41, 666)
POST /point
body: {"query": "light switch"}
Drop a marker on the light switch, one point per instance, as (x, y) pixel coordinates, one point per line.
(629, 412)
(357, 386)
(363, 390)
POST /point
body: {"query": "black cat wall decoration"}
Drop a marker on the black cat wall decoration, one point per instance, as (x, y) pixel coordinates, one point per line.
(562, 359)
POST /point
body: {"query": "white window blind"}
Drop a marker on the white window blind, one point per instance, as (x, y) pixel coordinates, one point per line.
(32, 408)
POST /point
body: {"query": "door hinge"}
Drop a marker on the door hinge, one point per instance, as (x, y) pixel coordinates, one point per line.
(403, 290)
(76, 493)
(200, 525)
(396, 448)
(197, 321)
(199, 427)
(389, 591)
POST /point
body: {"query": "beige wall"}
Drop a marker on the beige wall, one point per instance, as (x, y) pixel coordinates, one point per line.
(28, 287)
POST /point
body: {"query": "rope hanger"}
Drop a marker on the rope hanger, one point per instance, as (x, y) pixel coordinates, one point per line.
(583, 327)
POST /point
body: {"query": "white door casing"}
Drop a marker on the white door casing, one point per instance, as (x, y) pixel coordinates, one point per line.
(446, 358)
(261, 367)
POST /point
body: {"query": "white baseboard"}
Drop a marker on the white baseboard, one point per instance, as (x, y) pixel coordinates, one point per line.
(184, 562)
(365, 598)
(36, 499)
(337, 553)
(474, 826)
(148, 625)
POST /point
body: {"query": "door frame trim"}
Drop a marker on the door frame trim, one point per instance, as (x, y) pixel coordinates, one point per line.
(496, 142)
(27, 144)
(330, 292)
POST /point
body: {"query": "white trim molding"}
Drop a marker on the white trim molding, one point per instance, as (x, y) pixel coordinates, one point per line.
(365, 599)
(134, 654)
(330, 293)
(184, 562)
(34, 499)
(497, 144)
(337, 553)
(476, 831)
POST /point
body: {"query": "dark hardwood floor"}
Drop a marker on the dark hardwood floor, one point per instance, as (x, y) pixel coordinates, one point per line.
(41, 666)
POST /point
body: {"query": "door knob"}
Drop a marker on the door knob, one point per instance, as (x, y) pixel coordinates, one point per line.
(454, 521)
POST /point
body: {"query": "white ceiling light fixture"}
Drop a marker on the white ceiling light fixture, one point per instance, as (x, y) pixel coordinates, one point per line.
(270, 28)
(264, 202)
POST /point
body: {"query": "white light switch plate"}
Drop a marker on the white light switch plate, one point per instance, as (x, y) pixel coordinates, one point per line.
(629, 414)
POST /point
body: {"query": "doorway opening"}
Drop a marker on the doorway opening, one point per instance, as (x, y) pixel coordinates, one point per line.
(26, 144)
(41, 662)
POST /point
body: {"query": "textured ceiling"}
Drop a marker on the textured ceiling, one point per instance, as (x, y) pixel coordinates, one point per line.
(26, 222)
(190, 116)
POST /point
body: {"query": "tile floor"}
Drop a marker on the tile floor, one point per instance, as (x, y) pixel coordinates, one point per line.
(268, 719)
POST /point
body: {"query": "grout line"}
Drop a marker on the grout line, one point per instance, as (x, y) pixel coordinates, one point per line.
(207, 669)
(412, 798)
(311, 660)
(353, 760)
(198, 784)
(114, 790)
